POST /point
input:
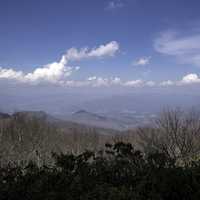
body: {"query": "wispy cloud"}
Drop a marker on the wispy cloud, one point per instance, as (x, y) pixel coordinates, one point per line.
(142, 61)
(113, 5)
(58, 72)
(185, 48)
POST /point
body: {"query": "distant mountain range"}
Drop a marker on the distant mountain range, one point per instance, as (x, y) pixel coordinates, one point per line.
(119, 112)
(80, 120)
(92, 119)
(83, 119)
(114, 120)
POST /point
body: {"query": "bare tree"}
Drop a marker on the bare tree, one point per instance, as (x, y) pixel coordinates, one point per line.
(175, 132)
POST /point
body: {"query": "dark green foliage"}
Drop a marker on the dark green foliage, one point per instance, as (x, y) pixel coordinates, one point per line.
(118, 173)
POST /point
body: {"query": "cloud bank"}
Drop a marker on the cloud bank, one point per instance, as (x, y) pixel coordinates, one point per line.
(95, 81)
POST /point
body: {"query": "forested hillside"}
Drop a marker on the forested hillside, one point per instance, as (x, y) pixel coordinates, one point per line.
(44, 158)
(28, 136)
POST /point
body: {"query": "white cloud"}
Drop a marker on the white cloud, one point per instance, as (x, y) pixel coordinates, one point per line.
(185, 48)
(116, 81)
(95, 81)
(108, 49)
(99, 81)
(54, 73)
(58, 72)
(105, 50)
(72, 83)
(113, 5)
(150, 83)
(92, 78)
(185, 80)
(142, 61)
(167, 83)
(11, 74)
(134, 83)
(190, 78)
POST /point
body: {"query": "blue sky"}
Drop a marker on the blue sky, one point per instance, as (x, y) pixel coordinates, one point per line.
(76, 43)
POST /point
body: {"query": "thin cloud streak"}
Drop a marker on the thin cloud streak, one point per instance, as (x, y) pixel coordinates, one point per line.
(185, 48)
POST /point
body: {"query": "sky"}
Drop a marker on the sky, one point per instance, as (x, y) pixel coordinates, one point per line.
(99, 43)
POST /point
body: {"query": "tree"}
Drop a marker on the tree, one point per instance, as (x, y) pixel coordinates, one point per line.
(174, 132)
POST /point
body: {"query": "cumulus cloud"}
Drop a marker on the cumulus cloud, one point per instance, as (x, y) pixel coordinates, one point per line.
(108, 49)
(185, 48)
(54, 73)
(190, 78)
(11, 74)
(58, 72)
(142, 61)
